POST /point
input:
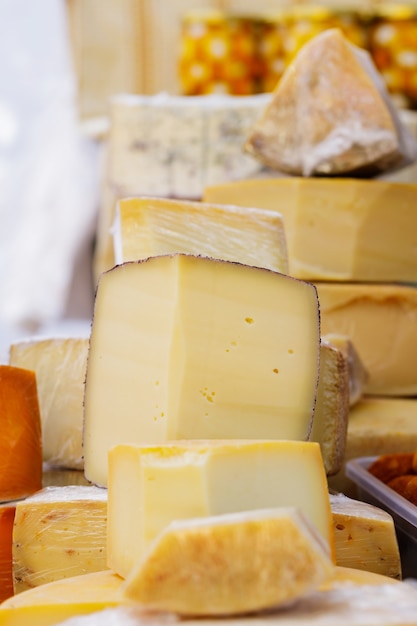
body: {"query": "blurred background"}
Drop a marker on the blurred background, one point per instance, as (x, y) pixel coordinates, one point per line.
(62, 61)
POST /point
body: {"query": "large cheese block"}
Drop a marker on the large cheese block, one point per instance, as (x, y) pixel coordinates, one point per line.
(60, 366)
(358, 375)
(59, 532)
(364, 537)
(368, 225)
(378, 426)
(186, 347)
(232, 563)
(147, 227)
(350, 598)
(150, 486)
(327, 115)
(7, 512)
(381, 321)
(332, 407)
(20, 434)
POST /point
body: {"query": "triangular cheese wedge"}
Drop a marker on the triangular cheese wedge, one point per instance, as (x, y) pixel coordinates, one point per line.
(327, 115)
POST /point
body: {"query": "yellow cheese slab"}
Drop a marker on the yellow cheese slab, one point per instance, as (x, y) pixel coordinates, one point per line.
(368, 226)
(150, 486)
(147, 227)
(186, 347)
(230, 564)
(59, 532)
(381, 321)
(60, 366)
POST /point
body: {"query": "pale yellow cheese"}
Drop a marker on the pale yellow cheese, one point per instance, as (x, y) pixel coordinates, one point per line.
(60, 366)
(350, 598)
(232, 563)
(381, 321)
(154, 226)
(337, 229)
(187, 347)
(364, 537)
(378, 426)
(332, 407)
(150, 486)
(327, 116)
(59, 532)
(358, 375)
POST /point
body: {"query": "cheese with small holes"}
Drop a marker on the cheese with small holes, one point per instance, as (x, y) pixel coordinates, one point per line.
(377, 426)
(20, 434)
(369, 226)
(332, 407)
(147, 227)
(7, 512)
(350, 598)
(232, 563)
(358, 375)
(60, 366)
(364, 537)
(186, 347)
(150, 486)
(327, 115)
(381, 321)
(59, 532)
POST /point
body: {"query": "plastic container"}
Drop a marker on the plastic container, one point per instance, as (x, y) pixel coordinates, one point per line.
(373, 491)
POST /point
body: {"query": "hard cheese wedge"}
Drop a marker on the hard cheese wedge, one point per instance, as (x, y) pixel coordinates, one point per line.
(364, 537)
(350, 598)
(327, 116)
(358, 374)
(150, 486)
(332, 407)
(233, 563)
(60, 366)
(20, 434)
(59, 532)
(186, 347)
(147, 227)
(7, 512)
(368, 225)
(381, 321)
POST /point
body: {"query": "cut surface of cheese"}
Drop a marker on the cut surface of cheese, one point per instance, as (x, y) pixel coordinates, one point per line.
(358, 375)
(381, 321)
(232, 563)
(347, 600)
(60, 366)
(378, 426)
(7, 512)
(364, 537)
(20, 434)
(147, 227)
(369, 226)
(332, 407)
(59, 532)
(327, 116)
(186, 347)
(150, 486)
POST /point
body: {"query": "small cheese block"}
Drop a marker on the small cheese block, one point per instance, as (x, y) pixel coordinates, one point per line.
(327, 116)
(358, 375)
(59, 532)
(368, 225)
(60, 366)
(351, 598)
(378, 426)
(147, 227)
(150, 486)
(332, 407)
(232, 563)
(20, 434)
(365, 537)
(381, 321)
(186, 347)
(7, 512)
